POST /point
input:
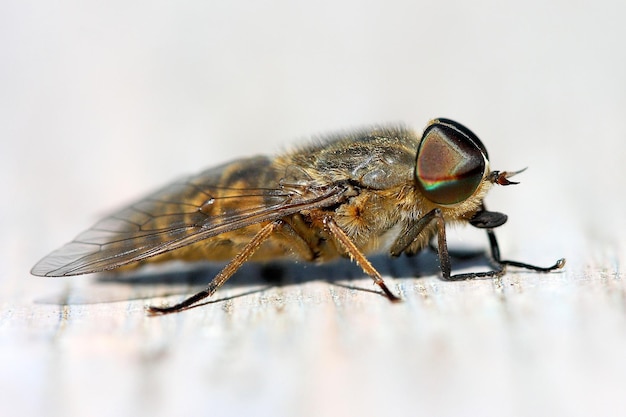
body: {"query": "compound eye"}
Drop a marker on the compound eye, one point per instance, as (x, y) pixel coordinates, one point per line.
(451, 162)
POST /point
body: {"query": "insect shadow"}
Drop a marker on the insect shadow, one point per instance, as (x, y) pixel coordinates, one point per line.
(254, 277)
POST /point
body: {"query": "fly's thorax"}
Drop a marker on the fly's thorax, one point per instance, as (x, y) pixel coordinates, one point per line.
(369, 215)
(377, 158)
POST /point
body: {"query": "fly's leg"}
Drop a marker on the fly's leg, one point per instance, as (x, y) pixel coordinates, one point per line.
(410, 234)
(357, 256)
(461, 255)
(488, 220)
(495, 254)
(224, 274)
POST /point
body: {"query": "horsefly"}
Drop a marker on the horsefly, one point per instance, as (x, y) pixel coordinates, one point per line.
(372, 190)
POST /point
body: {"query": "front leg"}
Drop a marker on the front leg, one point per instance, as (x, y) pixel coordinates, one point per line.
(495, 255)
(412, 233)
(436, 215)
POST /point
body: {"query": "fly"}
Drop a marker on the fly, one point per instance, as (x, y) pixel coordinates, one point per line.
(341, 196)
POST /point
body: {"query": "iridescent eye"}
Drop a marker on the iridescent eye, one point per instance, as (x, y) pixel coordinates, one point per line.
(451, 162)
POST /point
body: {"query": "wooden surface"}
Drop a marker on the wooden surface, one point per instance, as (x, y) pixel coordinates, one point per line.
(101, 105)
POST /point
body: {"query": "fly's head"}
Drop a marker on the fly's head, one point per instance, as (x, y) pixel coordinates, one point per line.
(452, 169)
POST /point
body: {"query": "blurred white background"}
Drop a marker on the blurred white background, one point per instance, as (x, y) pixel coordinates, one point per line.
(101, 102)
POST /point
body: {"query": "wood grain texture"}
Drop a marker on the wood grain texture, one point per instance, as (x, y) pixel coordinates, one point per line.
(521, 345)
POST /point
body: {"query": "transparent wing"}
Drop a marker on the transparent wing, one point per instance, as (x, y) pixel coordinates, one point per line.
(181, 214)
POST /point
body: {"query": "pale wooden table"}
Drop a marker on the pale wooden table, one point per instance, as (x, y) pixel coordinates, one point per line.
(102, 105)
(525, 344)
